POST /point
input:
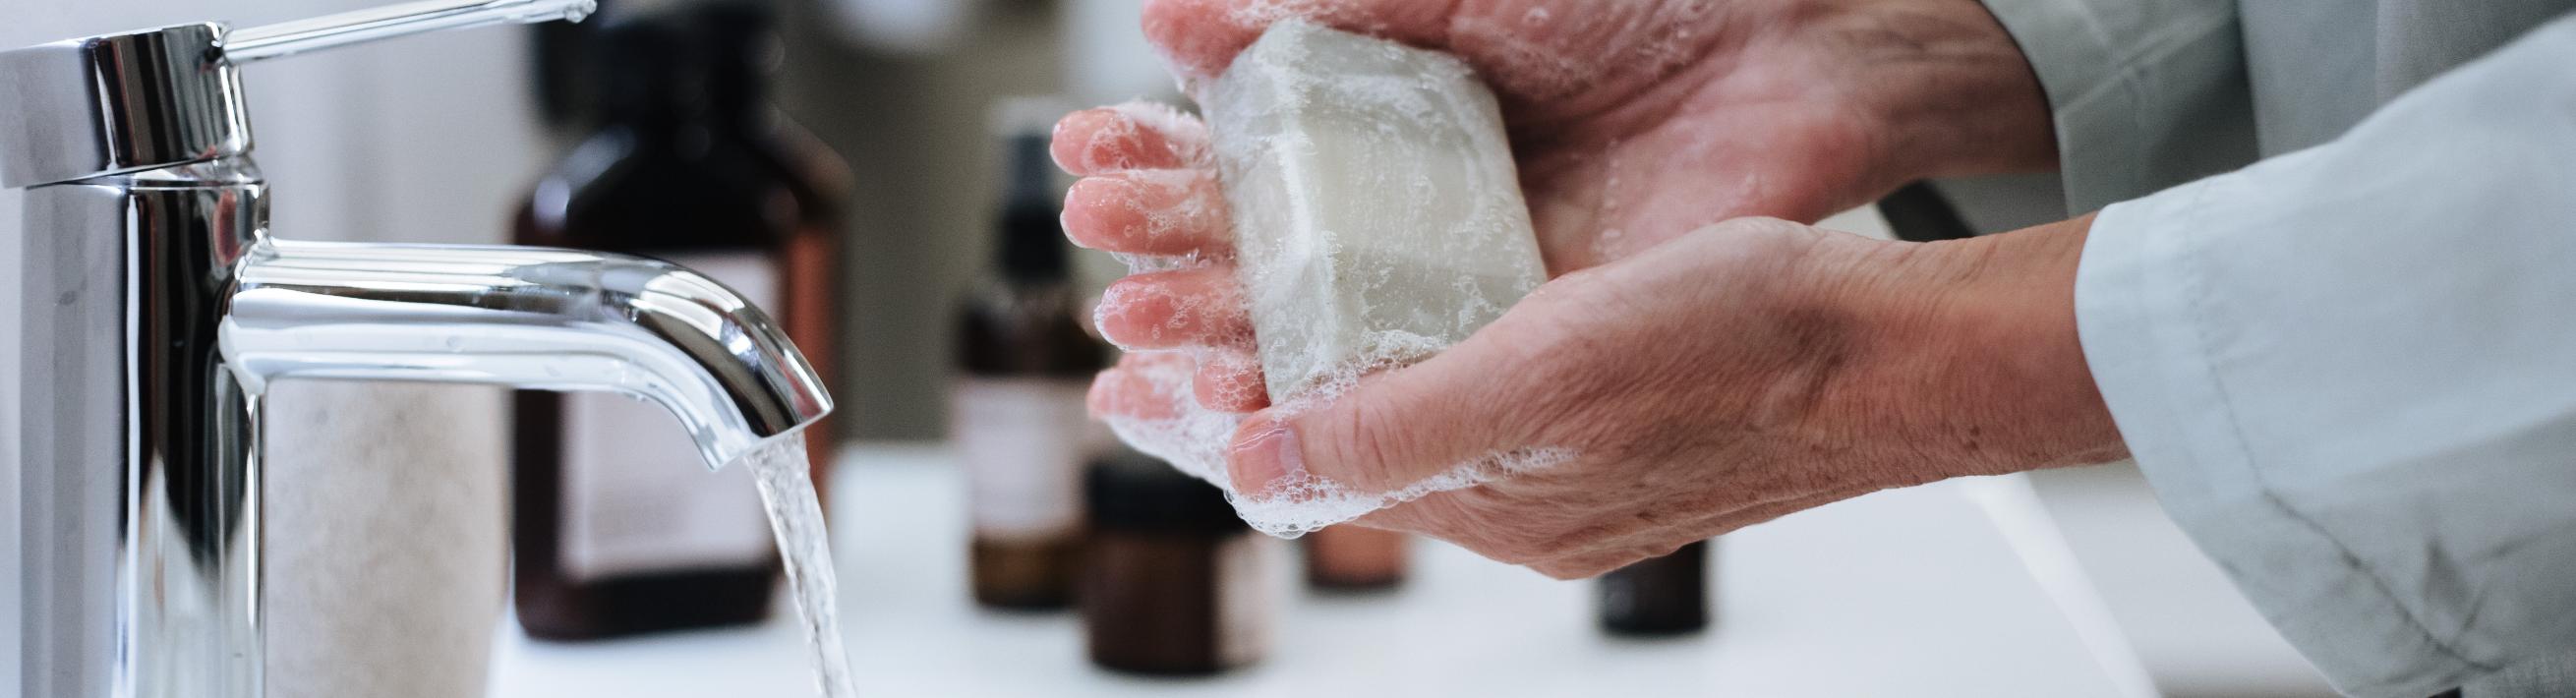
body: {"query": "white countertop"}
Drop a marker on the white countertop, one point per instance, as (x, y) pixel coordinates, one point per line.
(1912, 592)
(2189, 625)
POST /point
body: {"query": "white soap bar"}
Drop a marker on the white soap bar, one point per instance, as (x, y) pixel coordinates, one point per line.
(1377, 211)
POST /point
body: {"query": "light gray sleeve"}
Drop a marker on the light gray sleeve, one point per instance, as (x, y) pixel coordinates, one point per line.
(2147, 94)
(2350, 373)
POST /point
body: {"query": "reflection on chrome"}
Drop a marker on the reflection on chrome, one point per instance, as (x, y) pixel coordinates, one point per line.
(159, 311)
(524, 317)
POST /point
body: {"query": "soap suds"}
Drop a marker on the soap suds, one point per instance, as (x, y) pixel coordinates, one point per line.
(1194, 439)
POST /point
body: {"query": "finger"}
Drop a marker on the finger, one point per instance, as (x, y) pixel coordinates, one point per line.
(1142, 386)
(1229, 380)
(1131, 136)
(1154, 212)
(1201, 37)
(1399, 427)
(1196, 307)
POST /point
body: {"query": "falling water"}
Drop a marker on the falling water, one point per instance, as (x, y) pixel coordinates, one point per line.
(796, 517)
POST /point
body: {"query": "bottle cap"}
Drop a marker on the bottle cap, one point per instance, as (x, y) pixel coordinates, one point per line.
(1131, 491)
(648, 62)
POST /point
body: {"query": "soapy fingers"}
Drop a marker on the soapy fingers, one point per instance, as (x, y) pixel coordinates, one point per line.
(1149, 190)
(1131, 136)
(1132, 389)
(1199, 310)
(1150, 212)
(1200, 307)
(1229, 380)
(1162, 386)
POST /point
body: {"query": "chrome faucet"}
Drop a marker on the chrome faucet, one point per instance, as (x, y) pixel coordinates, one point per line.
(159, 309)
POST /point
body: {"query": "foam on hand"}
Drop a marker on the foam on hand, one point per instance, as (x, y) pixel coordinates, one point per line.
(1378, 220)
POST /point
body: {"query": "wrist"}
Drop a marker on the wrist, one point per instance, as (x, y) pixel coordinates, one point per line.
(1968, 357)
(1949, 88)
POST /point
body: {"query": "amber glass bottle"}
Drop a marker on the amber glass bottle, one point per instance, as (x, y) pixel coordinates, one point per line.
(1659, 596)
(1175, 584)
(1024, 361)
(617, 525)
(1349, 558)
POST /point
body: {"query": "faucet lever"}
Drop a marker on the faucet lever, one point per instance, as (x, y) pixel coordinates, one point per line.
(113, 104)
(359, 26)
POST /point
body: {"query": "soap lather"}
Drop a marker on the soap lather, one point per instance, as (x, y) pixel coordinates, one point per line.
(1377, 210)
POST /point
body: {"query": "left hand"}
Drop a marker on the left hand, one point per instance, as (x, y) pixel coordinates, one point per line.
(1632, 123)
(1733, 375)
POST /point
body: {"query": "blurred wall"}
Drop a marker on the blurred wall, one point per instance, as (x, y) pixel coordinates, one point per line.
(915, 128)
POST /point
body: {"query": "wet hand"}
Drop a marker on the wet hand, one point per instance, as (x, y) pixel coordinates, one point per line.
(1733, 375)
(1634, 121)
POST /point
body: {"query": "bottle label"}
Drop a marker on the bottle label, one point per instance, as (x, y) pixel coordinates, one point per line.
(1245, 593)
(1022, 443)
(637, 498)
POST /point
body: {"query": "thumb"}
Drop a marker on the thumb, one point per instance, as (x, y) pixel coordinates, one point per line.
(1395, 428)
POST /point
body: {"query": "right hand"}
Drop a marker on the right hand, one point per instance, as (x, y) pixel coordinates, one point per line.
(1634, 122)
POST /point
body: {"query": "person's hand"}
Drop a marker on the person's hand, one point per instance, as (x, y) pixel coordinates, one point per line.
(1736, 374)
(1634, 121)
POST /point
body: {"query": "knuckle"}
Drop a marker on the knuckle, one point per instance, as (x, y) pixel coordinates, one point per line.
(1363, 450)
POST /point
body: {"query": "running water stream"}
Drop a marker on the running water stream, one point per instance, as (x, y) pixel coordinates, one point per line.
(796, 517)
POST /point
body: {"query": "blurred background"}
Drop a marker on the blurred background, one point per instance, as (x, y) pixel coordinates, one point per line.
(991, 542)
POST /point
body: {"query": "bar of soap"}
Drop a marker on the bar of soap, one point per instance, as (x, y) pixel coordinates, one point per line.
(1377, 211)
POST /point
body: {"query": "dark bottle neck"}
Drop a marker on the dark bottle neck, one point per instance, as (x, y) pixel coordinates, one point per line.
(704, 68)
(743, 54)
(1030, 245)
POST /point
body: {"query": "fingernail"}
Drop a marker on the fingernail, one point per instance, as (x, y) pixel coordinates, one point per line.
(1116, 303)
(1086, 205)
(1097, 398)
(1062, 145)
(1260, 459)
(1090, 141)
(1140, 312)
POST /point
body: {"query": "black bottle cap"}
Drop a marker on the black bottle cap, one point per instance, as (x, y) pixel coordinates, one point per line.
(1660, 596)
(743, 50)
(1031, 242)
(649, 64)
(1131, 491)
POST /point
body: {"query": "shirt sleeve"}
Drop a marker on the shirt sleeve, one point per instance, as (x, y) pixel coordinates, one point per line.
(2350, 374)
(2146, 94)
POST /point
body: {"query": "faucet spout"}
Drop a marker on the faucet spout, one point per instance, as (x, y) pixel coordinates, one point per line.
(522, 317)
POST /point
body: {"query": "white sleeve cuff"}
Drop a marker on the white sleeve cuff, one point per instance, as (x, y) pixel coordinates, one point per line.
(2350, 374)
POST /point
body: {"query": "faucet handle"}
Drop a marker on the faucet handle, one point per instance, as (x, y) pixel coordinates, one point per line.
(289, 38)
(154, 98)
